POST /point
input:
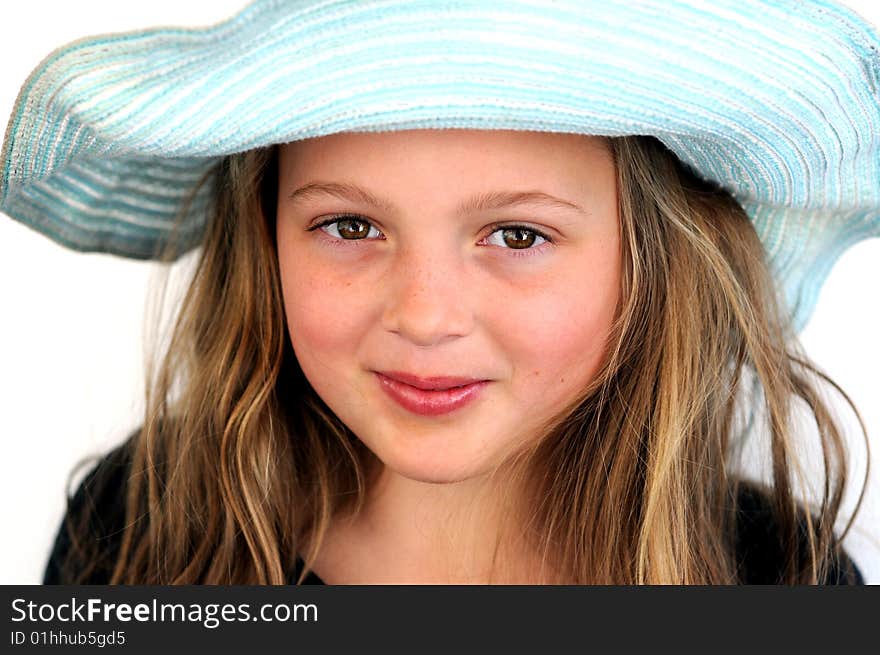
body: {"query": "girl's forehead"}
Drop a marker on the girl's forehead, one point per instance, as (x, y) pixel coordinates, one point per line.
(521, 158)
(449, 139)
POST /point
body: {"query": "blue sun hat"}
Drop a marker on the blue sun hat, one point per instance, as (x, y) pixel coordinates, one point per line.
(776, 101)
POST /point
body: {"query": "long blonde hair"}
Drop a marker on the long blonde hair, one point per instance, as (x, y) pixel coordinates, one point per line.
(238, 457)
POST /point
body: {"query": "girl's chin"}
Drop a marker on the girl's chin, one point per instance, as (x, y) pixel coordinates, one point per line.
(447, 472)
(439, 456)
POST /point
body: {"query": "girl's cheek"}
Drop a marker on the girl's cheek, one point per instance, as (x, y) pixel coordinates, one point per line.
(565, 322)
(323, 308)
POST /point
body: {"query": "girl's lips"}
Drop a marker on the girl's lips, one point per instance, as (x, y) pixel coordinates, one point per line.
(430, 403)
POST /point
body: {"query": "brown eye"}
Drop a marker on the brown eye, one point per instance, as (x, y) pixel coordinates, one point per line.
(348, 228)
(351, 228)
(518, 238)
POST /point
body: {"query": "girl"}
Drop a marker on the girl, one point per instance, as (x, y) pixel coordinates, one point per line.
(462, 321)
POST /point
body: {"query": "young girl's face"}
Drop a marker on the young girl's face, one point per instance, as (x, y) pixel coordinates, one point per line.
(418, 276)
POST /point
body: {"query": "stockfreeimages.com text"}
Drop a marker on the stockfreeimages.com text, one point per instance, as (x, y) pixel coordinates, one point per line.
(210, 615)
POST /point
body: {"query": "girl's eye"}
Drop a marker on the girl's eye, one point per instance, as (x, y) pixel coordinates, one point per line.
(516, 237)
(348, 228)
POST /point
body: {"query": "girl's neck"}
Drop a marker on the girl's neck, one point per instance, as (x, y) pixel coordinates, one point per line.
(412, 532)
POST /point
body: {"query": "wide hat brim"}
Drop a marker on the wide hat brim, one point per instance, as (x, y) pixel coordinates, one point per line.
(775, 101)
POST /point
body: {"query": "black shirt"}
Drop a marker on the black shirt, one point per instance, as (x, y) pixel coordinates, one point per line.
(100, 500)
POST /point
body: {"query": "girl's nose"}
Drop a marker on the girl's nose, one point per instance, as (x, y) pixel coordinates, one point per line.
(427, 297)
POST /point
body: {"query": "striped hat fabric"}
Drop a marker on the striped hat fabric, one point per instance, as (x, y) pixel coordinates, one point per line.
(776, 101)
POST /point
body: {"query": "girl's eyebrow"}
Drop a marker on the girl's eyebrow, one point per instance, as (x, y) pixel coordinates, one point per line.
(479, 202)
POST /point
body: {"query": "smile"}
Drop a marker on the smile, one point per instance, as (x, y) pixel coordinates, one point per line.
(430, 402)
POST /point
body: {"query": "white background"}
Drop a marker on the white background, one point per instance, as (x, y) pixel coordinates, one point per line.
(72, 325)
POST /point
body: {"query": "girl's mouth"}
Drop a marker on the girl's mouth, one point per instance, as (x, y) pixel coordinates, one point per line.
(430, 402)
